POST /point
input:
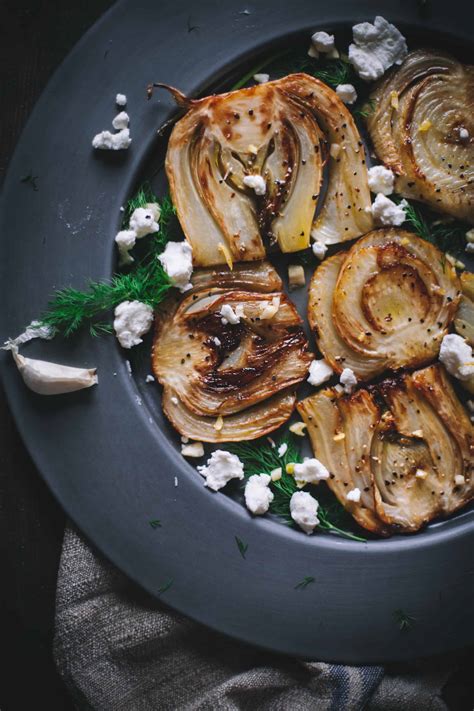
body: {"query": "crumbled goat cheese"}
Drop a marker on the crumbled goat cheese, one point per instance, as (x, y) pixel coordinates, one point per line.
(319, 249)
(311, 471)
(121, 120)
(255, 183)
(386, 212)
(381, 180)
(282, 449)
(469, 247)
(459, 480)
(269, 309)
(463, 134)
(144, 220)
(229, 315)
(376, 47)
(353, 495)
(177, 261)
(276, 474)
(132, 320)
(125, 241)
(348, 380)
(258, 495)
(149, 379)
(346, 93)
(261, 78)
(304, 510)
(194, 449)
(319, 372)
(34, 330)
(221, 467)
(296, 277)
(322, 41)
(457, 357)
(217, 341)
(421, 474)
(470, 235)
(121, 100)
(107, 141)
(174, 400)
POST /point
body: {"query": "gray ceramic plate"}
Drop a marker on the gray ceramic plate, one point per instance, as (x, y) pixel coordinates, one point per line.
(110, 460)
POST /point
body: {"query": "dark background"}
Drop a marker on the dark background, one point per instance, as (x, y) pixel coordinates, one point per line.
(35, 36)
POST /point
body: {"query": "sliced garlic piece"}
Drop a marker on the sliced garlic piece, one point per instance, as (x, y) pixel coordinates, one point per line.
(47, 378)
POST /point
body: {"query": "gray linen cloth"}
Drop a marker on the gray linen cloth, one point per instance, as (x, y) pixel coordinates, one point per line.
(118, 649)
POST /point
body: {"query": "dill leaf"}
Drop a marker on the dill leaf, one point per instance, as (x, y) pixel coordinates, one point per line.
(156, 523)
(448, 235)
(241, 546)
(404, 620)
(165, 587)
(305, 582)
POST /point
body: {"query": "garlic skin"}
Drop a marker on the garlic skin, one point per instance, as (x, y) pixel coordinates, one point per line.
(46, 378)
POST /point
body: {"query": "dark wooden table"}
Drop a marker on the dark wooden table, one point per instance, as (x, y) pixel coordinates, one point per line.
(35, 36)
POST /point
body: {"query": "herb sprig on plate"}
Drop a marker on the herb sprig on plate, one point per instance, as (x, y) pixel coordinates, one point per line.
(261, 457)
(71, 309)
(449, 235)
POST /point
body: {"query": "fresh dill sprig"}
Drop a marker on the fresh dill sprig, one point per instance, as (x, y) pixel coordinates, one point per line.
(165, 587)
(241, 546)
(404, 620)
(261, 457)
(30, 179)
(364, 109)
(70, 309)
(156, 523)
(448, 235)
(305, 582)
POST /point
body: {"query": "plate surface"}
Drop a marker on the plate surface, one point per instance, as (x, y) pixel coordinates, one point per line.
(106, 453)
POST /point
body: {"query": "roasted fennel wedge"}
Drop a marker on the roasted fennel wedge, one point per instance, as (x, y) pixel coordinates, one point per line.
(226, 347)
(422, 128)
(406, 444)
(281, 131)
(384, 304)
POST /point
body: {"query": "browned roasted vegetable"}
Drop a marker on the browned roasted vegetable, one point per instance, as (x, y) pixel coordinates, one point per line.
(464, 322)
(282, 132)
(423, 129)
(387, 303)
(220, 352)
(407, 445)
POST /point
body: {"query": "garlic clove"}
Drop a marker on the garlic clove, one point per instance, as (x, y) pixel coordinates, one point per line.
(47, 378)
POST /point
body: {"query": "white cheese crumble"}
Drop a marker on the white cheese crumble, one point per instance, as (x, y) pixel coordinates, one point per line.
(149, 379)
(457, 357)
(121, 120)
(381, 180)
(421, 474)
(322, 41)
(125, 241)
(121, 100)
(319, 372)
(105, 140)
(217, 341)
(282, 449)
(261, 78)
(229, 315)
(310, 471)
(132, 320)
(353, 495)
(194, 449)
(304, 511)
(319, 249)
(470, 235)
(144, 220)
(174, 400)
(386, 212)
(376, 48)
(255, 183)
(463, 134)
(221, 467)
(258, 495)
(469, 247)
(459, 480)
(348, 380)
(269, 309)
(347, 93)
(177, 261)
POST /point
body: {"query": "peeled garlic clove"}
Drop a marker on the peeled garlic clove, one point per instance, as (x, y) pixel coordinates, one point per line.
(47, 378)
